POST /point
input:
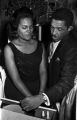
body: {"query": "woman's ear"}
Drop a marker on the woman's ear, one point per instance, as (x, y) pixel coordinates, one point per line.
(70, 28)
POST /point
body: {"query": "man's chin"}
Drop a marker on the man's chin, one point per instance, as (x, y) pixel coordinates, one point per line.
(55, 40)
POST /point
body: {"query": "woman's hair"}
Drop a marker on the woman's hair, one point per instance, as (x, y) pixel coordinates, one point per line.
(19, 14)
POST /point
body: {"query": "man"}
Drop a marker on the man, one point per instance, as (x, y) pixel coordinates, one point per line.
(62, 61)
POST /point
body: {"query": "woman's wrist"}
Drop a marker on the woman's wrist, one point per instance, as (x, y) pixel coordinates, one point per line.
(28, 94)
(41, 91)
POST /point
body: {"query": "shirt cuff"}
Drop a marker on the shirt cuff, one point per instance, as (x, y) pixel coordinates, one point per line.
(47, 101)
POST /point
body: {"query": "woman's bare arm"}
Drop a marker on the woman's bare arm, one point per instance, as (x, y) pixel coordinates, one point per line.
(43, 72)
(13, 72)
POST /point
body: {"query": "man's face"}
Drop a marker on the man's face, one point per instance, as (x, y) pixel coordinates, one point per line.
(58, 29)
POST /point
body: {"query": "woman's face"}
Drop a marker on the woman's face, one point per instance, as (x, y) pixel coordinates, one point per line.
(25, 28)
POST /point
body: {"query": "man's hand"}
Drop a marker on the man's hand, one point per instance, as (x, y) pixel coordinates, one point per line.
(32, 102)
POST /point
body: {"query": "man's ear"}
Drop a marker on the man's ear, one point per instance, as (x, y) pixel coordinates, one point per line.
(70, 28)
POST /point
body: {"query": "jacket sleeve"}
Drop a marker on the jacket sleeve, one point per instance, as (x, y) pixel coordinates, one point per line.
(67, 76)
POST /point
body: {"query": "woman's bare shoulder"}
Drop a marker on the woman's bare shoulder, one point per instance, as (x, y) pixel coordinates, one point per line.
(8, 50)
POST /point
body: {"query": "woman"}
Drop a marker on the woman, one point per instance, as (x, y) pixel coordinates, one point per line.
(24, 59)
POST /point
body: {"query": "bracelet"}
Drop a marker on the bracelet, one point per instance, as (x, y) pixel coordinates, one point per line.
(46, 99)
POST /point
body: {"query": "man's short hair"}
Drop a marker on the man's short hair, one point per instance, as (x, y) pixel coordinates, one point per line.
(64, 14)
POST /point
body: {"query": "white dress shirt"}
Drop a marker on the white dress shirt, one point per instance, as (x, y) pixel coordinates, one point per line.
(52, 49)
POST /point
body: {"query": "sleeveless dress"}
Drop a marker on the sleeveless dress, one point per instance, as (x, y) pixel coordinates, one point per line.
(28, 68)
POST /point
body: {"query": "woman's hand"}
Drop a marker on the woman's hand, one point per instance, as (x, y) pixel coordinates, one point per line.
(32, 102)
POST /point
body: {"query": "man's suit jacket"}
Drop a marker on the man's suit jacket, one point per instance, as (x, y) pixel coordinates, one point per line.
(62, 69)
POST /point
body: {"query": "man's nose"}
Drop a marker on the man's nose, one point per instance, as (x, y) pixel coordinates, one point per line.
(54, 31)
(28, 28)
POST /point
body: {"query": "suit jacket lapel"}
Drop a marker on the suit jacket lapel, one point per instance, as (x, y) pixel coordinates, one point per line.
(57, 50)
(60, 48)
